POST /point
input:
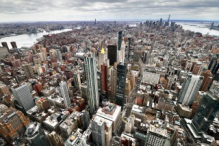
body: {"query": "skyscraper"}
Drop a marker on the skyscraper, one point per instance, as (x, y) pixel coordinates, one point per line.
(121, 80)
(208, 108)
(120, 48)
(119, 40)
(156, 136)
(161, 21)
(190, 88)
(128, 50)
(23, 96)
(112, 54)
(12, 123)
(35, 135)
(207, 80)
(77, 80)
(212, 25)
(113, 81)
(92, 86)
(101, 131)
(65, 95)
(104, 78)
(102, 58)
(28, 70)
(55, 139)
(14, 45)
(4, 44)
(214, 65)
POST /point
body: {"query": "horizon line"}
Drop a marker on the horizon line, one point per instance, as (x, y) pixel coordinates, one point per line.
(120, 20)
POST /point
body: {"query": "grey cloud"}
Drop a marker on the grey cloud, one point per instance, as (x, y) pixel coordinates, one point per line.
(112, 7)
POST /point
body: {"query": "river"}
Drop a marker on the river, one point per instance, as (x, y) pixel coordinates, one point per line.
(198, 27)
(27, 40)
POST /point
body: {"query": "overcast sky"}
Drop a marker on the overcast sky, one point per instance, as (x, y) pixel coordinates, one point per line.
(67, 10)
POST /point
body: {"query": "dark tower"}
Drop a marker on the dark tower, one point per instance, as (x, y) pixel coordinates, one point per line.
(104, 79)
(208, 108)
(214, 65)
(4, 44)
(112, 54)
(14, 45)
(121, 78)
(161, 21)
(119, 40)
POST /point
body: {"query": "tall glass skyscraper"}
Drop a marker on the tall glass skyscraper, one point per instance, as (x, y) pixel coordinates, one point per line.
(23, 96)
(121, 78)
(91, 77)
(189, 89)
(208, 108)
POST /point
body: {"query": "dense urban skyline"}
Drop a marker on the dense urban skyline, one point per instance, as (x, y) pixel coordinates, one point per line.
(21, 10)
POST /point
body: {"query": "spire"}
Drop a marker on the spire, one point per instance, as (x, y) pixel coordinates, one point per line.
(102, 51)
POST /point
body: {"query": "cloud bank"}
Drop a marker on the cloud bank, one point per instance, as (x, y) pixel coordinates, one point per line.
(69, 10)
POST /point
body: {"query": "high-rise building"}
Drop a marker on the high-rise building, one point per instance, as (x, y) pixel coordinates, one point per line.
(214, 65)
(101, 131)
(128, 50)
(65, 94)
(113, 81)
(119, 40)
(121, 80)
(102, 58)
(85, 119)
(112, 54)
(92, 86)
(127, 87)
(127, 140)
(4, 90)
(131, 77)
(77, 80)
(84, 91)
(42, 56)
(161, 22)
(75, 139)
(4, 44)
(55, 139)
(190, 88)
(214, 89)
(43, 104)
(208, 108)
(23, 96)
(212, 25)
(69, 124)
(104, 79)
(197, 68)
(207, 80)
(14, 45)
(36, 135)
(28, 70)
(111, 112)
(156, 136)
(12, 123)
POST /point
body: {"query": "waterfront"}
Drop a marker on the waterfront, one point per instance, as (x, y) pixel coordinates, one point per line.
(27, 40)
(198, 27)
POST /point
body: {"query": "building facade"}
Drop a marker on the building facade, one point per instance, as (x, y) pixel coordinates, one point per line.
(190, 88)
(91, 78)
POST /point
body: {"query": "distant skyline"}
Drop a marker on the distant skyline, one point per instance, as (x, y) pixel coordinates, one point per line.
(68, 10)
